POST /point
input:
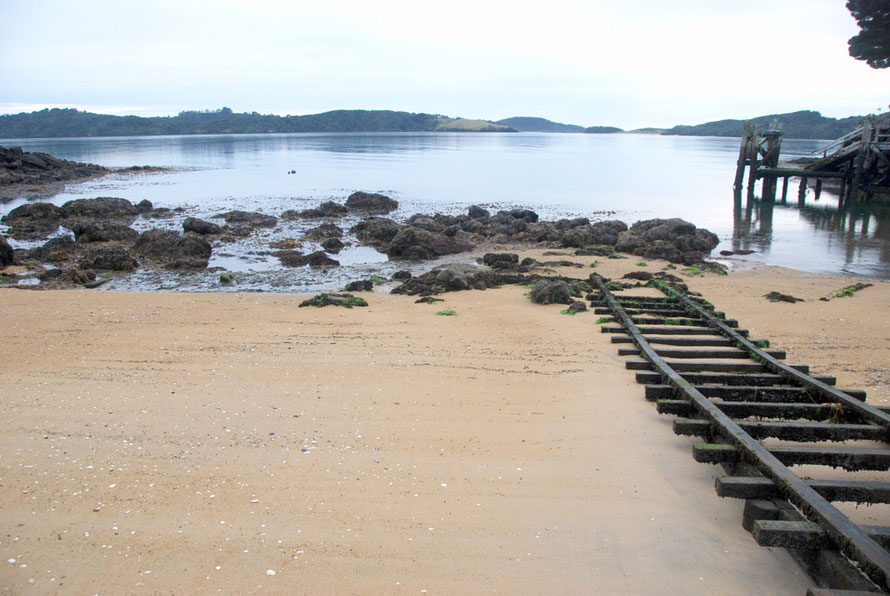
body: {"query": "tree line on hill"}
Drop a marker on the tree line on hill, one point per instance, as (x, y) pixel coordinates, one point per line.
(56, 122)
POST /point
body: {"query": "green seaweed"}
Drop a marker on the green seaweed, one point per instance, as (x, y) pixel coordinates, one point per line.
(446, 313)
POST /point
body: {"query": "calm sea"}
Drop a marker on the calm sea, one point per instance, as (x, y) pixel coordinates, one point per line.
(635, 176)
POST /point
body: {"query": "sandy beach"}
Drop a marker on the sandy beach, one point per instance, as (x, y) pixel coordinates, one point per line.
(196, 443)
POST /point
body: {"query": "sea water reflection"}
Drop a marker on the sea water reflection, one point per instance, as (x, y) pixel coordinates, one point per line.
(631, 177)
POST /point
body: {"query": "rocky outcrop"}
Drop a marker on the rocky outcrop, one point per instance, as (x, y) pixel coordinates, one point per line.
(323, 232)
(249, 219)
(112, 258)
(200, 226)
(32, 221)
(376, 231)
(317, 260)
(553, 291)
(93, 231)
(363, 285)
(6, 253)
(55, 250)
(579, 234)
(326, 209)
(103, 208)
(674, 240)
(414, 244)
(369, 202)
(173, 250)
(333, 245)
(23, 167)
(449, 278)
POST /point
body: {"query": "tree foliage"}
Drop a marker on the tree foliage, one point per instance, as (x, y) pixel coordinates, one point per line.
(872, 43)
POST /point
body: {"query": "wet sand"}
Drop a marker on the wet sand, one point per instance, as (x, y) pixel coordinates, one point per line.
(190, 443)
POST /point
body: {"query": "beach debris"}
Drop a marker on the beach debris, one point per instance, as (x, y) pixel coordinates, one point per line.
(344, 300)
(780, 297)
(446, 313)
(428, 300)
(847, 291)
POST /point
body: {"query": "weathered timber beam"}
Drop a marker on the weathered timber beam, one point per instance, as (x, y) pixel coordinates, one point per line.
(788, 431)
(749, 380)
(802, 534)
(851, 491)
(777, 172)
(849, 458)
(732, 354)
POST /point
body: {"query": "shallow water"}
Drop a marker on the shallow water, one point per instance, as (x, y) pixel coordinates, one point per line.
(557, 175)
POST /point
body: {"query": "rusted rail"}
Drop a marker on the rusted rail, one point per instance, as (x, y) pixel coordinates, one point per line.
(734, 392)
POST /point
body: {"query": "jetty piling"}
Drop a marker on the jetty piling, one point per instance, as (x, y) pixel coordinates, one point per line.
(860, 161)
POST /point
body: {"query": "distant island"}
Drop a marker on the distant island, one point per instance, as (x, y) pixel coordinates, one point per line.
(67, 122)
(796, 125)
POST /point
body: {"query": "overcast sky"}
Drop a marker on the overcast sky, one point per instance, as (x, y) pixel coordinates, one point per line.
(627, 63)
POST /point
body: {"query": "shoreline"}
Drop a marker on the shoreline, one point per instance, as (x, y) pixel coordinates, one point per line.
(184, 442)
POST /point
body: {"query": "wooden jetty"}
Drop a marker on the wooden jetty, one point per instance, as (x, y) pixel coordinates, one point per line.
(860, 161)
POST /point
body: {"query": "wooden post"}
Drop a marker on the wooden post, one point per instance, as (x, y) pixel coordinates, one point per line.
(841, 196)
(784, 189)
(743, 156)
(818, 188)
(773, 142)
(802, 191)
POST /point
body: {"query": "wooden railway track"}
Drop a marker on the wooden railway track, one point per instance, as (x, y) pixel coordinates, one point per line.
(759, 417)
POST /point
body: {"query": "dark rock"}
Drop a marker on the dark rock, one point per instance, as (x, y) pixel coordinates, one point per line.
(526, 215)
(175, 251)
(145, 206)
(551, 292)
(99, 208)
(674, 240)
(326, 209)
(566, 224)
(32, 220)
(501, 260)
(600, 233)
(6, 253)
(376, 231)
(727, 253)
(199, 226)
(345, 300)
(333, 245)
(162, 213)
(449, 278)
(577, 307)
(21, 167)
(528, 263)
(414, 244)
(86, 231)
(250, 219)
(367, 202)
(291, 258)
(365, 285)
(320, 260)
(323, 232)
(55, 250)
(428, 300)
(113, 258)
(477, 212)
(402, 275)
(561, 263)
(640, 275)
(424, 222)
(316, 260)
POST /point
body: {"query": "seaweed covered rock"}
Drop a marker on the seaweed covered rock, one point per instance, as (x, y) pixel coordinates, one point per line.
(370, 202)
(326, 209)
(103, 208)
(333, 245)
(249, 219)
(600, 233)
(200, 226)
(363, 285)
(55, 250)
(326, 299)
(33, 220)
(87, 231)
(449, 278)
(551, 291)
(376, 231)
(674, 240)
(501, 260)
(414, 244)
(113, 258)
(175, 251)
(323, 232)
